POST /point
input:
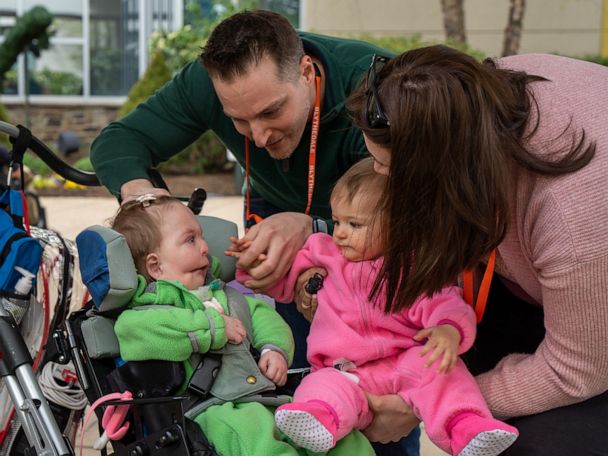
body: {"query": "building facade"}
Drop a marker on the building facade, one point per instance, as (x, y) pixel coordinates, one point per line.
(568, 27)
(99, 49)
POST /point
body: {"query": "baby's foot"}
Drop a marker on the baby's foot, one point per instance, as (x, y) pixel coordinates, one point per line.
(474, 435)
(311, 425)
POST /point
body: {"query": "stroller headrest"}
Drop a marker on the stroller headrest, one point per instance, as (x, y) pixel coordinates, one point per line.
(108, 270)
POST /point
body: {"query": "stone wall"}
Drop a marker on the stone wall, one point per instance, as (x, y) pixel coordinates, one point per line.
(46, 122)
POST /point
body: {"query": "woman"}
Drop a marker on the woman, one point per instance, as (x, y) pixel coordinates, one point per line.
(508, 156)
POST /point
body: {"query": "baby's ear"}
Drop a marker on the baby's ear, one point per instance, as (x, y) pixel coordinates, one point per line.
(153, 266)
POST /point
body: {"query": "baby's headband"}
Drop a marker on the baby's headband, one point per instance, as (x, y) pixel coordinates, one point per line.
(146, 199)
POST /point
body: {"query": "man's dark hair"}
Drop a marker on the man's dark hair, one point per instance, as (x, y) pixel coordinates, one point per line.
(245, 38)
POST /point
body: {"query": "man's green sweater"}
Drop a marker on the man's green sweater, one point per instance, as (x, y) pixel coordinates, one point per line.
(187, 106)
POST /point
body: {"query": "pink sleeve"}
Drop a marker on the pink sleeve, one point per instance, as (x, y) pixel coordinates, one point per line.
(282, 291)
(306, 258)
(242, 276)
(446, 307)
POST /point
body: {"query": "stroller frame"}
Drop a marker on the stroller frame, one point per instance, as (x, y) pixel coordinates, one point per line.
(31, 406)
(169, 436)
(34, 412)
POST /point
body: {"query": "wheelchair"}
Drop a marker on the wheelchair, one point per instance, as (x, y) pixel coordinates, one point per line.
(159, 419)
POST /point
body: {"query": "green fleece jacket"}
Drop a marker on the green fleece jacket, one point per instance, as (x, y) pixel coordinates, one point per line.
(178, 113)
(171, 324)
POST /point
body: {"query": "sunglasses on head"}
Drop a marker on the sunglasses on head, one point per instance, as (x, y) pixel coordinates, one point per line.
(373, 110)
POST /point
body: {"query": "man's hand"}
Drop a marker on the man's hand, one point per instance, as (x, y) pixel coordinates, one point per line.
(306, 302)
(274, 367)
(137, 187)
(234, 329)
(443, 342)
(393, 418)
(276, 240)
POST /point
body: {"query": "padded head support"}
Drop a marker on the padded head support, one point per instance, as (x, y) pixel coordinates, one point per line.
(108, 270)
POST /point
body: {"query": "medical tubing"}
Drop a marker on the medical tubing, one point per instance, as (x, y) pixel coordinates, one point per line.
(55, 388)
(52, 160)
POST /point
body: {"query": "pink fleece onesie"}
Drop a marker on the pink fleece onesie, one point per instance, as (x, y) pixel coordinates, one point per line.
(377, 350)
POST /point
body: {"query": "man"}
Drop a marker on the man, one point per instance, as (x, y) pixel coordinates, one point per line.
(257, 89)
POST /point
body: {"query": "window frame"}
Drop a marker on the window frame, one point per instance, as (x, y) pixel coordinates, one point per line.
(144, 32)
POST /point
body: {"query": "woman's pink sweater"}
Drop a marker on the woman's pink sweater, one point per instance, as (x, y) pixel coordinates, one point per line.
(556, 248)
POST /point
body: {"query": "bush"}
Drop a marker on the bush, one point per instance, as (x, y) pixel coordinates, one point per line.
(595, 58)
(399, 44)
(84, 164)
(156, 75)
(58, 82)
(36, 165)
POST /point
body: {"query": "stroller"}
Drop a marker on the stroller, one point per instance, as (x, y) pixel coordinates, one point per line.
(159, 420)
(157, 417)
(29, 315)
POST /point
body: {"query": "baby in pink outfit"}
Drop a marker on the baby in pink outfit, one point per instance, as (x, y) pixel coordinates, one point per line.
(354, 346)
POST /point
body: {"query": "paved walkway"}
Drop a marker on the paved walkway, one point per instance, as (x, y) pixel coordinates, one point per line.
(70, 215)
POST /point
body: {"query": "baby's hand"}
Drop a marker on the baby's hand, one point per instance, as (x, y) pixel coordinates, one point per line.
(240, 245)
(274, 367)
(235, 331)
(443, 341)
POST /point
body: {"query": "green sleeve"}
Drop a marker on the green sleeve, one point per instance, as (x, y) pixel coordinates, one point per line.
(269, 328)
(168, 333)
(157, 129)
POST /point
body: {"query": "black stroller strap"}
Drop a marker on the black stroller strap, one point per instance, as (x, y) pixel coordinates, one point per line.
(240, 309)
(20, 144)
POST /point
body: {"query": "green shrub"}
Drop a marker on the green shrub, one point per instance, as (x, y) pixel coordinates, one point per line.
(399, 44)
(4, 117)
(156, 75)
(595, 58)
(36, 165)
(58, 82)
(84, 164)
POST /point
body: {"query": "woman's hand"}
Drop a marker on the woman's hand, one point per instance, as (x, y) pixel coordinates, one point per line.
(268, 249)
(393, 418)
(306, 302)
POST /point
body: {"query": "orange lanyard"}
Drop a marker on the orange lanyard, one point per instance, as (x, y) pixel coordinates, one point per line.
(312, 158)
(484, 288)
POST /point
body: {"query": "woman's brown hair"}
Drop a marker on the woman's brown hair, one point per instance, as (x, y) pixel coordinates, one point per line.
(457, 128)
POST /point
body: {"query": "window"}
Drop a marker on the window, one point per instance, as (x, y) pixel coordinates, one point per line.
(114, 34)
(98, 47)
(288, 8)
